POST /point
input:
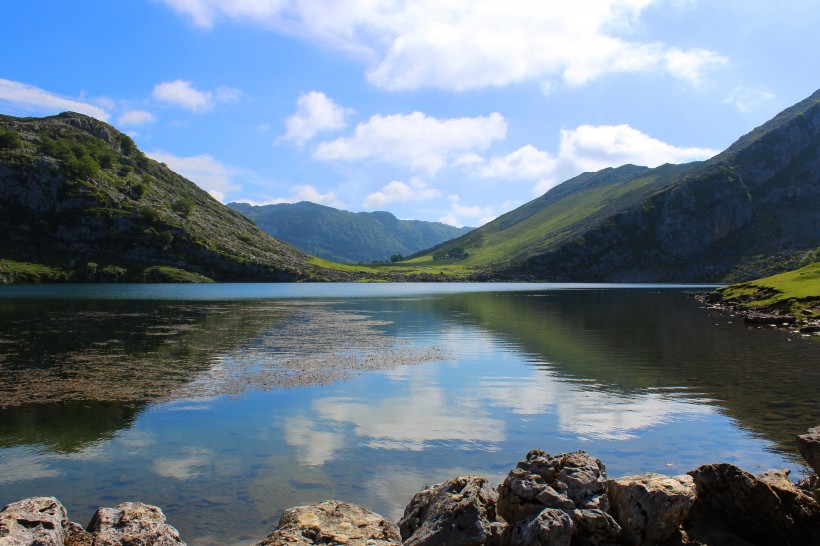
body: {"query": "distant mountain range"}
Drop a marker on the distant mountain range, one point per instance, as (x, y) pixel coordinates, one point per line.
(750, 211)
(347, 237)
(80, 202)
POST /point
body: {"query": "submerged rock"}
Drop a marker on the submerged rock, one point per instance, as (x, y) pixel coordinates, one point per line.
(768, 509)
(41, 521)
(809, 445)
(458, 512)
(132, 523)
(651, 507)
(333, 522)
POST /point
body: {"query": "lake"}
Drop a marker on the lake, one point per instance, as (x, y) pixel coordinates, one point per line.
(225, 404)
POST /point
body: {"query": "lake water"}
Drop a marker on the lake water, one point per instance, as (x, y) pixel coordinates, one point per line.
(225, 404)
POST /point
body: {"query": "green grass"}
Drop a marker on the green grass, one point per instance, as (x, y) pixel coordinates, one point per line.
(399, 271)
(791, 290)
(164, 273)
(13, 272)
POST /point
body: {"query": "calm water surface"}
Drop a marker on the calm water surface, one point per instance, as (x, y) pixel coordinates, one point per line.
(189, 397)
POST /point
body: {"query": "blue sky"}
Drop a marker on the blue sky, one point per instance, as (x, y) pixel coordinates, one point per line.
(434, 110)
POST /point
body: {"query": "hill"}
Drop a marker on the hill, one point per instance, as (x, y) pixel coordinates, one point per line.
(347, 237)
(80, 202)
(751, 211)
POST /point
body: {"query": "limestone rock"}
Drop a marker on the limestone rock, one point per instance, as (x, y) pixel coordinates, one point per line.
(809, 445)
(760, 510)
(567, 481)
(458, 512)
(37, 520)
(650, 507)
(594, 527)
(333, 522)
(132, 523)
(75, 535)
(550, 526)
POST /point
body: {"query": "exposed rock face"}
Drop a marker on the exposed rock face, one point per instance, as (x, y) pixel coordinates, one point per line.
(763, 510)
(333, 522)
(132, 523)
(650, 507)
(551, 526)
(458, 512)
(40, 521)
(574, 483)
(809, 445)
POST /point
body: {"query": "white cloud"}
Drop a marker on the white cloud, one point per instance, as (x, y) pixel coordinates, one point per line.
(461, 45)
(415, 140)
(746, 99)
(30, 97)
(136, 117)
(205, 171)
(182, 93)
(461, 215)
(305, 192)
(396, 191)
(315, 113)
(527, 162)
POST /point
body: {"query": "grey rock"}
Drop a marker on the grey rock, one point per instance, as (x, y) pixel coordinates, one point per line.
(458, 512)
(132, 523)
(550, 526)
(809, 445)
(594, 527)
(39, 521)
(333, 522)
(566, 481)
(651, 507)
(760, 510)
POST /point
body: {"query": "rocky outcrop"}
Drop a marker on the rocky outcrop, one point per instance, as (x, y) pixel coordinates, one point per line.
(551, 526)
(650, 507)
(38, 520)
(458, 512)
(132, 523)
(768, 509)
(809, 445)
(333, 522)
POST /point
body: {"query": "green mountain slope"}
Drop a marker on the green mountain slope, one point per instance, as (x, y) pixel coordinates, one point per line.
(346, 237)
(79, 201)
(750, 211)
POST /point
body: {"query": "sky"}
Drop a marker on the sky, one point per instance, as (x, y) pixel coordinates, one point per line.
(443, 110)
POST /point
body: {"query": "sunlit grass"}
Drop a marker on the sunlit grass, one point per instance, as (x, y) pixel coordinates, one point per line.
(784, 290)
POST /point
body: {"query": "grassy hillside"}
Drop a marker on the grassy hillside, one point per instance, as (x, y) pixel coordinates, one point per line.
(750, 211)
(792, 291)
(344, 236)
(80, 202)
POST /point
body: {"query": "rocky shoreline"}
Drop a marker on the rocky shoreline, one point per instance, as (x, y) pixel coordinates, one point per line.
(565, 499)
(806, 322)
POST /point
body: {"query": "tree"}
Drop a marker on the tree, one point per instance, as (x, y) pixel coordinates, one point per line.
(396, 258)
(10, 140)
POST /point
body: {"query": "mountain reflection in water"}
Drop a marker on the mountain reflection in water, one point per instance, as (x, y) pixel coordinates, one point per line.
(225, 412)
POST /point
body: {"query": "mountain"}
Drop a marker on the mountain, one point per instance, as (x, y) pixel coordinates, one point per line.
(347, 237)
(751, 211)
(79, 201)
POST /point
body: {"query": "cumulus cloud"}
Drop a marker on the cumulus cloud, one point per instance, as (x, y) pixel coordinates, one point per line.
(462, 215)
(746, 99)
(206, 172)
(315, 113)
(182, 93)
(396, 191)
(305, 192)
(136, 117)
(527, 162)
(422, 143)
(461, 45)
(30, 97)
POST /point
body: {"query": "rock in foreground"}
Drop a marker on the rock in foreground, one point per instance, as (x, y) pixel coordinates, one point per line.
(132, 523)
(38, 520)
(809, 445)
(333, 522)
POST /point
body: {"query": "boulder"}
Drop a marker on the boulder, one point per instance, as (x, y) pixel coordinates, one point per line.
(132, 523)
(809, 445)
(650, 507)
(333, 522)
(37, 520)
(594, 527)
(75, 535)
(565, 481)
(762, 510)
(550, 526)
(458, 512)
